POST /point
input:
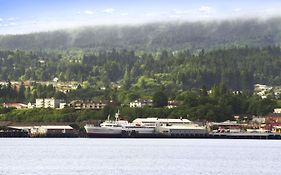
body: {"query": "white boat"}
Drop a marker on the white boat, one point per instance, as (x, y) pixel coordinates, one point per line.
(109, 128)
(118, 128)
(173, 127)
(138, 130)
(146, 127)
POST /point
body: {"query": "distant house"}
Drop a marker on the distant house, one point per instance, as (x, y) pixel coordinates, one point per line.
(30, 105)
(273, 117)
(262, 90)
(271, 120)
(277, 110)
(79, 104)
(173, 104)
(14, 105)
(141, 103)
(48, 103)
(259, 119)
(63, 105)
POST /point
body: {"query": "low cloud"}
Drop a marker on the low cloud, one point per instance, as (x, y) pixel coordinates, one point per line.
(11, 19)
(205, 9)
(175, 16)
(1, 19)
(88, 12)
(124, 14)
(12, 24)
(109, 10)
(237, 10)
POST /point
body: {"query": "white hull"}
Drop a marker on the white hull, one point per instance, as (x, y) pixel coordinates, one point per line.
(140, 130)
(103, 130)
(182, 130)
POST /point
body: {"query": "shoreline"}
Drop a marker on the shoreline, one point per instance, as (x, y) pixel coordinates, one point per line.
(249, 136)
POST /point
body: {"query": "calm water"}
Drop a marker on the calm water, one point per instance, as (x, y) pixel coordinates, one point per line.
(139, 156)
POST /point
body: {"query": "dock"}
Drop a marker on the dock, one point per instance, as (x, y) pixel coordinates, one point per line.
(242, 135)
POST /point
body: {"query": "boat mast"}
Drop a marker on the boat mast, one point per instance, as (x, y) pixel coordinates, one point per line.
(117, 115)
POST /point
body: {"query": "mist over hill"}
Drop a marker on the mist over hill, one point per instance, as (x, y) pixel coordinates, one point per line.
(149, 37)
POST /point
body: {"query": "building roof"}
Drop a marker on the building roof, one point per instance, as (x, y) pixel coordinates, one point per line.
(56, 127)
(43, 126)
(227, 123)
(161, 120)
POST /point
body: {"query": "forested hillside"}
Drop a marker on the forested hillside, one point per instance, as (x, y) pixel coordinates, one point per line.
(182, 61)
(237, 68)
(149, 37)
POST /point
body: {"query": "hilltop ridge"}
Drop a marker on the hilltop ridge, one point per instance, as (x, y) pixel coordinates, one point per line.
(153, 36)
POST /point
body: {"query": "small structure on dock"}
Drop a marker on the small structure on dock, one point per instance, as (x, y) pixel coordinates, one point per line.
(53, 131)
(47, 130)
(6, 131)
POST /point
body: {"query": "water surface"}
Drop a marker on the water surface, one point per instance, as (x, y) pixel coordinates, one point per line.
(74, 156)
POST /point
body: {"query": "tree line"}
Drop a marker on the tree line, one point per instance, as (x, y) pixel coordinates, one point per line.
(237, 68)
(218, 104)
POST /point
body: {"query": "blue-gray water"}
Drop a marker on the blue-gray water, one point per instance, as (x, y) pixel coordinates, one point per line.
(139, 156)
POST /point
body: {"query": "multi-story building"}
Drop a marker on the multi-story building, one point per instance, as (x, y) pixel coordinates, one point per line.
(39, 103)
(79, 104)
(141, 103)
(48, 103)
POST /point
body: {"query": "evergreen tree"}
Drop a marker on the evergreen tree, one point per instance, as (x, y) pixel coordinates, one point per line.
(160, 99)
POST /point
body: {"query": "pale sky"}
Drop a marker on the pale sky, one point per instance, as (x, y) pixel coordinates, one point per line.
(25, 16)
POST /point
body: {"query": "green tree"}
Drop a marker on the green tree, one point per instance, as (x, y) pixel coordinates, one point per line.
(160, 99)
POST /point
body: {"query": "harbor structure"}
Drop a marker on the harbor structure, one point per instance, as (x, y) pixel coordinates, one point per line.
(47, 130)
(52, 131)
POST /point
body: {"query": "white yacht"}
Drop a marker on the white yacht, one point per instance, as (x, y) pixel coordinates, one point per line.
(109, 128)
(146, 127)
(173, 127)
(118, 128)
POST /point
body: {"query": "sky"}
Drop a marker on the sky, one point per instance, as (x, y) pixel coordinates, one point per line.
(27, 16)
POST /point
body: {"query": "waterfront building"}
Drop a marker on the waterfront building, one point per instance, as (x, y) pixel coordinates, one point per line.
(51, 130)
(258, 119)
(227, 126)
(276, 129)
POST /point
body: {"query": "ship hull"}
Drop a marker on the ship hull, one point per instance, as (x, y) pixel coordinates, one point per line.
(99, 132)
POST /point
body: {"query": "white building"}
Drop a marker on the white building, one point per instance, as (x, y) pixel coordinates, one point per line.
(30, 105)
(48, 103)
(262, 90)
(259, 119)
(141, 103)
(39, 103)
(172, 104)
(79, 104)
(53, 129)
(277, 110)
(63, 105)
